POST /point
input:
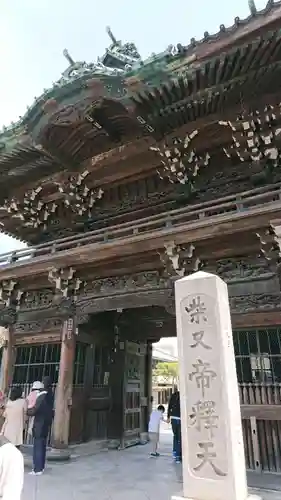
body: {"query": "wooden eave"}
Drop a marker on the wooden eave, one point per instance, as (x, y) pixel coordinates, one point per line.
(242, 30)
(248, 73)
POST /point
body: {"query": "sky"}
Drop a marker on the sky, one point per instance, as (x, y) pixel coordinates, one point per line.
(33, 34)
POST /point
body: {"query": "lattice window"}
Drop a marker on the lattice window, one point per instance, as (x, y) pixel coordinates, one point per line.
(258, 355)
(101, 366)
(79, 364)
(35, 362)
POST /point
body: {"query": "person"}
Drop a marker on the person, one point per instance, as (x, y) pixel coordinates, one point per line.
(43, 415)
(174, 416)
(37, 387)
(11, 471)
(14, 417)
(154, 428)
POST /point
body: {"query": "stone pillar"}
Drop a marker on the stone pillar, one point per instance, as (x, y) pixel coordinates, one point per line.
(8, 357)
(212, 440)
(63, 401)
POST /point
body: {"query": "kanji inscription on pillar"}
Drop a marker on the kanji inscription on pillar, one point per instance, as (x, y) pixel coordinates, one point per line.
(213, 451)
(207, 456)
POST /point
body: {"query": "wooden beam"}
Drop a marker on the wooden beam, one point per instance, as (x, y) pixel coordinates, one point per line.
(8, 360)
(256, 319)
(261, 412)
(189, 232)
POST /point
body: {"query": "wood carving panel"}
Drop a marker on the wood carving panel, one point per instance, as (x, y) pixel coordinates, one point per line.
(125, 284)
(45, 325)
(259, 302)
(37, 299)
(242, 269)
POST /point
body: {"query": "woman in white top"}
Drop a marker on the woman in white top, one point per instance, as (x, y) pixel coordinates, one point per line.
(14, 415)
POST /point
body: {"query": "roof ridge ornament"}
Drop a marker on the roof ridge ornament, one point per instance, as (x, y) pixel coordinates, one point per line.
(68, 57)
(252, 7)
(112, 37)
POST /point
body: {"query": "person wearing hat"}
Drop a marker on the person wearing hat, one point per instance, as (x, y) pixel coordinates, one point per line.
(42, 412)
(36, 388)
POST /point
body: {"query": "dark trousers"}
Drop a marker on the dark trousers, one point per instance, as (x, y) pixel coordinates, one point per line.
(39, 454)
(176, 428)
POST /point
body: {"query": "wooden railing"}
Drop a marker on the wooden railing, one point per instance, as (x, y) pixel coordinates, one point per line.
(260, 394)
(231, 204)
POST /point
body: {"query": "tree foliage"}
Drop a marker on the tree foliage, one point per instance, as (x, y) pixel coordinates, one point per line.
(166, 372)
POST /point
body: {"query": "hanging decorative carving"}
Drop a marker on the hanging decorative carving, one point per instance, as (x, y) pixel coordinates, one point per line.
(179, 260)
(66, 290)
(10, 301)
(269, 244)
(66, 285)
(31, 211)
(254, 136)
(10, 294)
(180, 162)
(78, 196)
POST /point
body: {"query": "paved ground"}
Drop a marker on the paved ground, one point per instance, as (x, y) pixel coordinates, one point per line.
(126, 475)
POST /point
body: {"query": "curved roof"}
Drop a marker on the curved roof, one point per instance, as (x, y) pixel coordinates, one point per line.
(122, 62)
(121, 99)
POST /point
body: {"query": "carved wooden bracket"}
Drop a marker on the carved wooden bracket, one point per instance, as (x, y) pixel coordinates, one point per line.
(181, 163)
(10, 294)
(66, 284)
(78, 196)
(179, 260)
(270, 243)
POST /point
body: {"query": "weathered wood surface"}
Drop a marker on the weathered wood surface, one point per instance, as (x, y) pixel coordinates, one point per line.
(8, 359)
(121, 242)
(261, 412)
(63, 401)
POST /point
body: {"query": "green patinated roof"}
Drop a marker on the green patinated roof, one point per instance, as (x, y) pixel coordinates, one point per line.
(121, 66)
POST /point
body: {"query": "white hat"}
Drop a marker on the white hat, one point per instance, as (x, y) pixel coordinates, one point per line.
(37, 386)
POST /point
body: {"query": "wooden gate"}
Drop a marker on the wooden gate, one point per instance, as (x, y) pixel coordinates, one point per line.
(258, 363)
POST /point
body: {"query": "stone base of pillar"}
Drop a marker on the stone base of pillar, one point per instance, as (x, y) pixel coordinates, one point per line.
(249, 497)
(113, 444)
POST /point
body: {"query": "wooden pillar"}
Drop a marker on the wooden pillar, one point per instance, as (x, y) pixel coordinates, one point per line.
(149, 380)
(8, 358)
(63, 401)
(115, 430)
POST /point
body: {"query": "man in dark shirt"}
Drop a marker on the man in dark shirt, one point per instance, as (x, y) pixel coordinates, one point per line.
(43, 415)
(174, 416)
